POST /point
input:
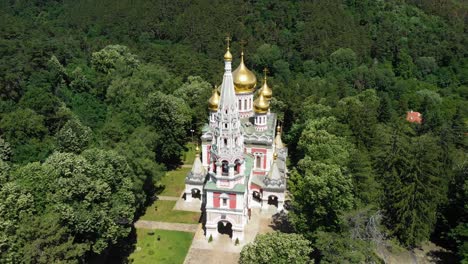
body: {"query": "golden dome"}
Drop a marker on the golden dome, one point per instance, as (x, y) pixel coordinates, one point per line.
(275, 155)
(261, 105)
(213, 102)
(228, 55)
(265, 90)
(244, 80)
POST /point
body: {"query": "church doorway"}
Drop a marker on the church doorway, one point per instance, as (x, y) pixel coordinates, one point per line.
(225, 228)
(273, 200)
(196, 193)
(256, 196)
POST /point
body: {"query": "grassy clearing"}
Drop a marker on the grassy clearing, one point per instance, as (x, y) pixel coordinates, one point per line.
(164, 213)
(189, 155)
(174, 182)
(171, 249)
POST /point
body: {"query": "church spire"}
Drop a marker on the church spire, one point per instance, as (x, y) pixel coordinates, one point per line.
(228, 95)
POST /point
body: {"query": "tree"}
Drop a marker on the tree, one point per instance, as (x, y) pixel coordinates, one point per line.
(113, 56)
(15, 204)
(316, 142)
(320, 194)
(22, 125)
(413, 188)
(73, 137)
(93, 196)
(341, 248)
(276, 247)
(169, 116)
(5, 150)
(344, 59)
(195, 92)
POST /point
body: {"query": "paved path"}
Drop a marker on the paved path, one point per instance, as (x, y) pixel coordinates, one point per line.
(168, 198)
(166, 226)
(222, 249)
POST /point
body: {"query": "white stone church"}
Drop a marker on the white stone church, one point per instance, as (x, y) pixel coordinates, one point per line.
(243, 160)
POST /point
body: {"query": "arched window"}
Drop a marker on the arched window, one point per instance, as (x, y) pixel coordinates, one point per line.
(258, 162)
(225, 167)
(245, 104)
(240, 104)
(225, 142)
(237, 167)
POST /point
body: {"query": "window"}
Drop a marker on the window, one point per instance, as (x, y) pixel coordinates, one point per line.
(224, 202)
(240, 104)
(245, 104)
(225, 142)
(225, 168)
(258, 162)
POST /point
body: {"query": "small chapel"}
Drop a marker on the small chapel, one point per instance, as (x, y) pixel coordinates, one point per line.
(242, 164)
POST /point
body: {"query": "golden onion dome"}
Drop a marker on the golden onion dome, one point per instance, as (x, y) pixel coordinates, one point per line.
(213, 102)
(265, 90)
(244, 80)
(228, 55)
(261, 105)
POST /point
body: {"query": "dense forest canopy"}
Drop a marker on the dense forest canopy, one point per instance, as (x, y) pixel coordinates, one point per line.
(97, 100)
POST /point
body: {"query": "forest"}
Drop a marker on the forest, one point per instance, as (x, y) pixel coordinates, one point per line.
(97, 100)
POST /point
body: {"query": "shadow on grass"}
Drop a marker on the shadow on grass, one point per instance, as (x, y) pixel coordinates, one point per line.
(280, 222)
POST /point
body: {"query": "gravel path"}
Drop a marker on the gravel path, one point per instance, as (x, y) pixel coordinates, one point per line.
(166, 226)
(168, 198)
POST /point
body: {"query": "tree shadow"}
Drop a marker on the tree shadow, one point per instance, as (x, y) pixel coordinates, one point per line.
(442, 257)
(280, 222)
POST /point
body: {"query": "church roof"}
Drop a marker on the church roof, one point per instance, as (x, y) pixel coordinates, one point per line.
(274, 178)
(198, 172)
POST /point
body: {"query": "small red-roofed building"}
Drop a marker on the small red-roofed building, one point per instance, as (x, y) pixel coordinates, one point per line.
(414, 117)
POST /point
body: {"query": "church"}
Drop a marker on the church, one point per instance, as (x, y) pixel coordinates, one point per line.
(243, 159)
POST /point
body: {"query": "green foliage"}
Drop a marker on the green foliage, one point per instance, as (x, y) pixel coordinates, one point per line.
(94, 187)
(170, 116)
(338, 248)
(5, 150)
(73, 137)
(276, 247)
(413, 187)
(321, 193)
(21, 125)
(113, 56)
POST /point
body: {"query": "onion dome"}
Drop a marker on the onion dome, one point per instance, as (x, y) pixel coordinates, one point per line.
(213, 102)
(244, 80)
(261, 105)
(228, 55)
(265, 90)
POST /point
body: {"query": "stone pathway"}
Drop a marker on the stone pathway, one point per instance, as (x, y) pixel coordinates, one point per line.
(166, 226)
(167, 198)
(222, 249)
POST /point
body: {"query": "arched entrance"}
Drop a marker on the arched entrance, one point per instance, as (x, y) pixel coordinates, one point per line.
(273, 200)
(225, 228)
(256, 196)
(196, 193)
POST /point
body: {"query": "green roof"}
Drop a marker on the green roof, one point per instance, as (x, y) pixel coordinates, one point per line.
(240, 187)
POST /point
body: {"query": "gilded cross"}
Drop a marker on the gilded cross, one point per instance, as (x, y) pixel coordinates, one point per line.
(242, 44)
(228, 39)
(265, 71)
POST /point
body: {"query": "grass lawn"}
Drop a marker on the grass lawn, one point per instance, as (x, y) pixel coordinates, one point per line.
(166, 214)
(189, 155)
(174, 182)
(171, 249)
